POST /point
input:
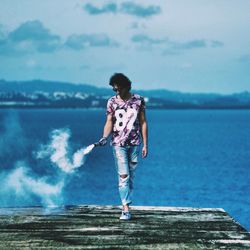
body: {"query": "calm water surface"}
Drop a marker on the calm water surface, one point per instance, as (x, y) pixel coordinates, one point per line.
(197, 158)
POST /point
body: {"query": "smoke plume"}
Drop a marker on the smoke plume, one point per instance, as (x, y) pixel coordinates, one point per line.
(59, 151)
(21, 185)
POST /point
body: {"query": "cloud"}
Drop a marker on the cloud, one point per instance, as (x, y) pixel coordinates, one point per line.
(199, 43)
(133, 9)
(172, 47)
(193, 44)
(107, 8)
(146, 42)
(216, 44)
(78, 42)
(144, 39)
(29, 37)
(136, 25)
(32, 36)
(32, 30)
(129, 8)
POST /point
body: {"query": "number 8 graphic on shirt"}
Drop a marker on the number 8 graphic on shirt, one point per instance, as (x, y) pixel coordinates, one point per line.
(125, 119)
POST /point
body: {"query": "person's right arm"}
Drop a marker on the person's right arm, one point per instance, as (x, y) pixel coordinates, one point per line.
(106, 131)
(108, 127)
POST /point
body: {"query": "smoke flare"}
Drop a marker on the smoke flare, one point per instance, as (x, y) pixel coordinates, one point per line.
(58, 151)
(21, 186)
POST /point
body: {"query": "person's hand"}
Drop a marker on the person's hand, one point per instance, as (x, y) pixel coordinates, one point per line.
(144, 152)
(102, 141)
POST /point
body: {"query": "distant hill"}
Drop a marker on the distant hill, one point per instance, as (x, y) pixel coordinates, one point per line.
(40, 93)
(49, 87)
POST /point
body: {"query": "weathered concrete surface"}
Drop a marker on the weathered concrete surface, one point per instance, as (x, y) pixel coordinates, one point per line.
(99, 227)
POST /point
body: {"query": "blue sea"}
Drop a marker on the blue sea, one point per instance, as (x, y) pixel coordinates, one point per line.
(197, 158)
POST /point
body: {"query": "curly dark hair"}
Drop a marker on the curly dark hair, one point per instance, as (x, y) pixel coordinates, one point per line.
(120, 80)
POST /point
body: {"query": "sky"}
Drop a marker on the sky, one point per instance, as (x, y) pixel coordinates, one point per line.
(198, 46)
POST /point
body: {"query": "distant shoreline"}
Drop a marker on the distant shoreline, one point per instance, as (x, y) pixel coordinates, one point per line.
(4, 107)
(39, 94)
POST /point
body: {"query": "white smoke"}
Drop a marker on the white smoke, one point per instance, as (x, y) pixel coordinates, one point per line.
(21, 186)
(24, 185)
(59, 151)
(79, 156)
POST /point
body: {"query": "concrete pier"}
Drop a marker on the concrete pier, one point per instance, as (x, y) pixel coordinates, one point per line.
(99, 227)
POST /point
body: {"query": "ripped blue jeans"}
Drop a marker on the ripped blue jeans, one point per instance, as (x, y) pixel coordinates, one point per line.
(126, 159)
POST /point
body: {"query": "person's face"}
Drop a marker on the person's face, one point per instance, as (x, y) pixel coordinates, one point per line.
(119, 90)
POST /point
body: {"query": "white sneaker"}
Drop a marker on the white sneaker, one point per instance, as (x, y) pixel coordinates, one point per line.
(125, 216)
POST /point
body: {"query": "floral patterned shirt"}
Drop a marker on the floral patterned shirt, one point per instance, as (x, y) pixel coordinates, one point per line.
(125, 115)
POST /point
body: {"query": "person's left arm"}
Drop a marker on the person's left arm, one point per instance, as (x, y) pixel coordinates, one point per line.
(144, 132)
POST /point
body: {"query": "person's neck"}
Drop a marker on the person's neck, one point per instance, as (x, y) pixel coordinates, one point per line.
(126, 96)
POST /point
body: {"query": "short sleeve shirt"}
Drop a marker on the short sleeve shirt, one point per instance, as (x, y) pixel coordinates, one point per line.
(125, 116)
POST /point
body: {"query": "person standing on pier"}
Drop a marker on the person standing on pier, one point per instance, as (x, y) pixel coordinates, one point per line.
(126, 121)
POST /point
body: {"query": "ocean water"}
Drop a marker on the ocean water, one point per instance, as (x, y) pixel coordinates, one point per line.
(197, 158)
